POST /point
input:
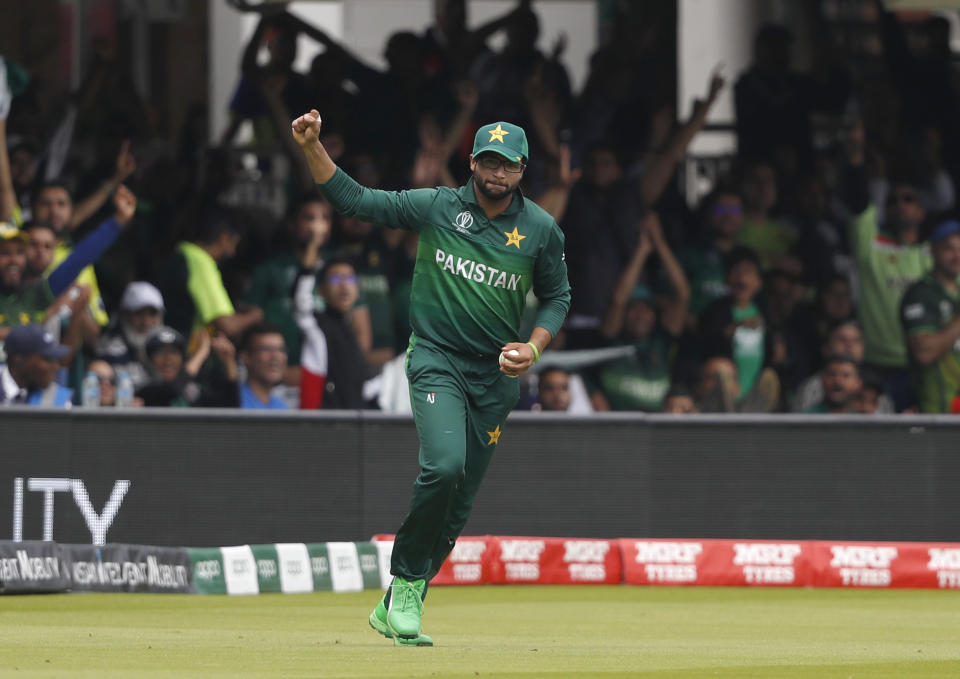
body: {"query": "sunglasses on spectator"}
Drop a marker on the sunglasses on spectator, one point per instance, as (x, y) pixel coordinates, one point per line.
(727, 211)
(107, 380)
(337, 278)
(492, 162)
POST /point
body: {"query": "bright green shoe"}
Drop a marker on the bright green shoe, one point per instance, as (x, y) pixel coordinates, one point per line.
(406, 607)
(378, 621)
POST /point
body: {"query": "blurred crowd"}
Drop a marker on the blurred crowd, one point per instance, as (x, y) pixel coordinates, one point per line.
(818, 274)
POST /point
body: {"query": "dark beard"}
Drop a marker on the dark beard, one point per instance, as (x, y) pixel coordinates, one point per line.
(491, 193)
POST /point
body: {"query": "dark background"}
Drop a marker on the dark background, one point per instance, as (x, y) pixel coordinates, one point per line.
(219, 478)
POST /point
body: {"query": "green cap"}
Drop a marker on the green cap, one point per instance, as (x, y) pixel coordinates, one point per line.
(506, 139)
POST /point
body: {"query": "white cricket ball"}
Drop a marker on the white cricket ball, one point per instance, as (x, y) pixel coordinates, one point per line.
(511, 353)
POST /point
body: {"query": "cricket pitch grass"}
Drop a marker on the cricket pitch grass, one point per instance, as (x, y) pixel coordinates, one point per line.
(532, 632)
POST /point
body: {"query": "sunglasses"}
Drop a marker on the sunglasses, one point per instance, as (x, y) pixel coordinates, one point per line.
(727, 211)
(493, 162)
(337, 278)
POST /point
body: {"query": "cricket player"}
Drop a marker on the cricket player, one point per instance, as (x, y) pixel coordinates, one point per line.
(481, 248)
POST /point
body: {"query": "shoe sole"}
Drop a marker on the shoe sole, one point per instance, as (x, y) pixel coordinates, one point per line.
(419, 641)
(380, 628)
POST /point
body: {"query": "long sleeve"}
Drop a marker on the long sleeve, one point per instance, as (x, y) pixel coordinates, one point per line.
(86, 252)
(392, 209)
(550, 284)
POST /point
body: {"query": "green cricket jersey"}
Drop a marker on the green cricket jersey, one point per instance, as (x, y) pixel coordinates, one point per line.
(928, 307)
(640, 381)
(472, 274)
(28, 305)
(886, 268)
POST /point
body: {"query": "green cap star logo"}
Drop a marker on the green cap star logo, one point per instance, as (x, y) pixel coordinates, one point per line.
(505, 139)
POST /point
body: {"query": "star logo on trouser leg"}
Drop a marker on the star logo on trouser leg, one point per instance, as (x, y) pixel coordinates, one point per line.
(494, 436)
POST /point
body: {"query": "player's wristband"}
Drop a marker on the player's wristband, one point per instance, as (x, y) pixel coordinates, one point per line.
(536, 352)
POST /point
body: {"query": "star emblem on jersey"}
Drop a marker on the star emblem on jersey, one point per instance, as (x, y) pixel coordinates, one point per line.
(513, 237)
(497, 133)
(494, 436)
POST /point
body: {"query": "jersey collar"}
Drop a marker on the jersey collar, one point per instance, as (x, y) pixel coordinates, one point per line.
(467, 195)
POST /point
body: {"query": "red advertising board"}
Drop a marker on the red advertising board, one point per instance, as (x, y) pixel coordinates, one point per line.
(928, 565)
(555, 561)
(765, 563)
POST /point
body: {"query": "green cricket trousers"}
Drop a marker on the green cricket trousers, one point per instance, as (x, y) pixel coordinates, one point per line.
(459, 406)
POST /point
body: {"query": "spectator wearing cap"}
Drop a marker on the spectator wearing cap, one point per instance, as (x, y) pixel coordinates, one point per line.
(841, 385)
(264, 354)
(930, 313)
(23, 302)
(640, 381)
(33, 359)
(174, 373)
(123, 343)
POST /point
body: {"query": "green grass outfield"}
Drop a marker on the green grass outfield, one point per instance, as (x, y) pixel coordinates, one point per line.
(534, 632)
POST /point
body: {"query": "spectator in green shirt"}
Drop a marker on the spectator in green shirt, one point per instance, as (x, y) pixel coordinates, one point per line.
(841, 385)
(192, 286)
(888, 261)
(721, 219)
(734, 326)
(930, 314)
(308, 221)
(641, 381)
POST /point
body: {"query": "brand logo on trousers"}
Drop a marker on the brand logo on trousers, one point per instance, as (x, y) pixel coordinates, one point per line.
(432, 397)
